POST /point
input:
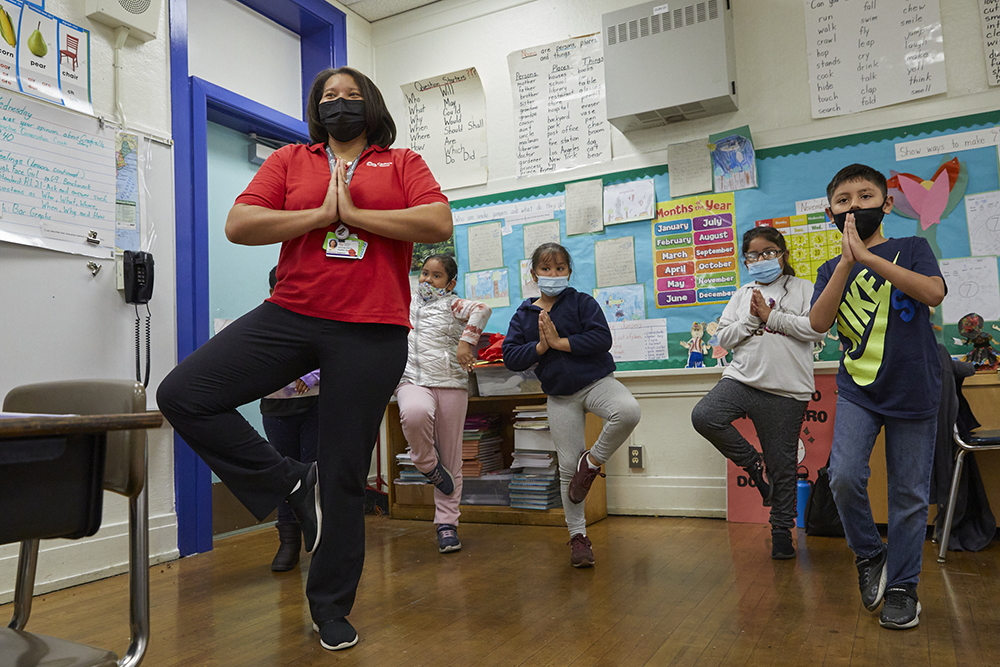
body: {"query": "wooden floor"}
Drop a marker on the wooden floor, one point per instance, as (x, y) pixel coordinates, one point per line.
(665, 591)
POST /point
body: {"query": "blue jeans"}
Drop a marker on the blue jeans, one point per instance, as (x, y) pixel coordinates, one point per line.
(909, 453)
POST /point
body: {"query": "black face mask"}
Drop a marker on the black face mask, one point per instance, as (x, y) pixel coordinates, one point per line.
(343, 119)
(866, 220)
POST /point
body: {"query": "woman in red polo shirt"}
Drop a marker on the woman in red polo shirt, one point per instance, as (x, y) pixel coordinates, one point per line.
(346, 209)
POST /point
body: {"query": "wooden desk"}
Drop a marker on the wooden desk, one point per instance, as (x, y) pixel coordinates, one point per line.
(982, 390)
(596, 506)
(43, 425)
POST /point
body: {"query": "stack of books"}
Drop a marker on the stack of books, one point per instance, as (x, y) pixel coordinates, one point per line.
(481, 440)
(536, 471)
(408, 473)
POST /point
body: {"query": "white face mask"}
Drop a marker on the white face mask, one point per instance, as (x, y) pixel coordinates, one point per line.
(552, 285)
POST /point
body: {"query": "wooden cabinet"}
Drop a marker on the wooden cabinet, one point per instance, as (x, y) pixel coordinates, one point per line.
(423, 507)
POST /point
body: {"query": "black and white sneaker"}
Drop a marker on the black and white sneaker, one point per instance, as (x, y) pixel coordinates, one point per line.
(305, 504)
(901, 609)
(872, 579)
(755, 471)
(336, 635)
(442, 479)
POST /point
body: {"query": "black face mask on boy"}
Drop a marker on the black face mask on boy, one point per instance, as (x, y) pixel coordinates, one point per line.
(343, 119)
(866, 220)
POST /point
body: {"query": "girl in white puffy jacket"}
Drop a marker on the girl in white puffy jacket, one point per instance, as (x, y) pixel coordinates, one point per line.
(433, 392)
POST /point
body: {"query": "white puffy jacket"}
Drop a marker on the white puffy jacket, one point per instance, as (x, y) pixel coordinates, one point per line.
(438, 325)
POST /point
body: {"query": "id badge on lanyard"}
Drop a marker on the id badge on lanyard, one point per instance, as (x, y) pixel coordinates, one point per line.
(342, 243)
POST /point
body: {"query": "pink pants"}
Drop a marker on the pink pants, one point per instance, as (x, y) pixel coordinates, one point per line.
(435, 416)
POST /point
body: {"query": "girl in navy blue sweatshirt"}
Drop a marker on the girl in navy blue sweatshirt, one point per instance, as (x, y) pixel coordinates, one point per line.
(566, 334)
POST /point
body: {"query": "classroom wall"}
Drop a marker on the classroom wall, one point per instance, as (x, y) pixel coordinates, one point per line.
(60, 322)
(683, 474)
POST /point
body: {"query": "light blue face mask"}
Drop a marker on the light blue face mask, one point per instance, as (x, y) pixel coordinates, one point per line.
(765, 271)
(552, 285)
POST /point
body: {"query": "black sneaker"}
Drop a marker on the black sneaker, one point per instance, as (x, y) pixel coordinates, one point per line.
(755, 471)
(305, 504)
(781, 544)
(448, 538)
(901, 609)
(872, 579)
(442, 479)
(336, 635)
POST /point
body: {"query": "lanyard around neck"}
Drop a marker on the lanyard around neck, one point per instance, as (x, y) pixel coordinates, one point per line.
(332, 159)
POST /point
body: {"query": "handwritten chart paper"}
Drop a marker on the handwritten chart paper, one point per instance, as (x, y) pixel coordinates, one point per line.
(983, 214)
(529, 287)
(695, 251)
(865, 54)
(973, 287)
(538, 233)
(559, 106)
(690, 167)
(447, 122)
(641, 340)
(485, 246)
(614, 261)
(629, 202)
(989, 16)
(584, 200)
(57, 179)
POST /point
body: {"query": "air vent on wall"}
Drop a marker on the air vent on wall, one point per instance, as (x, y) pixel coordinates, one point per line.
(689, 48)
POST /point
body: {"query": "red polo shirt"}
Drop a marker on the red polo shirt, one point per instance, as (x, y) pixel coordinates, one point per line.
(375, 288)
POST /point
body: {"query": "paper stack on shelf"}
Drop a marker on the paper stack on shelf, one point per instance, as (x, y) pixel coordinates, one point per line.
(536, 477)
(481, 440)
(408, 473)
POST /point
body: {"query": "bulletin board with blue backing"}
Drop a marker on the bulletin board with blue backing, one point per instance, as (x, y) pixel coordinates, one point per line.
(790, 174)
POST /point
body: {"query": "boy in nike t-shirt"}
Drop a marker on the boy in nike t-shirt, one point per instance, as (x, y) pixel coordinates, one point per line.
(878, 291)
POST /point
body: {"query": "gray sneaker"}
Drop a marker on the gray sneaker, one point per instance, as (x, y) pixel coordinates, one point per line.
(872, 579)
(901, 609)
(448, 538)
(442, 479)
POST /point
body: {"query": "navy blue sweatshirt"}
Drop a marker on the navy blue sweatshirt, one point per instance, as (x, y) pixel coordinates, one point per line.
(579, 318)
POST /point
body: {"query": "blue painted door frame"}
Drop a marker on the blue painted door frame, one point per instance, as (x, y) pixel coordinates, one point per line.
(322, 30)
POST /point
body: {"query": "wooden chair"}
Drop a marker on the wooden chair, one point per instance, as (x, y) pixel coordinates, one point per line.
(978, 442)
(125, 474)
(71, 50)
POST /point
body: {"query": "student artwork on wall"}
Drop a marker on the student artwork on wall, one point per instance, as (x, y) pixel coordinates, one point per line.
(447, 124)
(687, 259)
(867, 54)
(559, 107)
(629, 202)
(490, 286)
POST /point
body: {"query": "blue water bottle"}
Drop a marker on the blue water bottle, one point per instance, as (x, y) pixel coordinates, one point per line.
(803, 488)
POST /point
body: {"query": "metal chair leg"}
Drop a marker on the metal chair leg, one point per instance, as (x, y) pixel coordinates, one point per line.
(138, 575)
(950, 511)
(24, 588)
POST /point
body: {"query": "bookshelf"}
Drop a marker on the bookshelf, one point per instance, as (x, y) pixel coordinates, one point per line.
(421, 505)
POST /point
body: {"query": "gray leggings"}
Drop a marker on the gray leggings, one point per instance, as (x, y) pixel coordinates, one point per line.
(777, 420)
(611, 401)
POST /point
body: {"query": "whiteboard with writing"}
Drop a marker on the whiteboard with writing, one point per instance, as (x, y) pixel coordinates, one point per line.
(447, 125)
(559, 106)
(865, 54)
(57, 178)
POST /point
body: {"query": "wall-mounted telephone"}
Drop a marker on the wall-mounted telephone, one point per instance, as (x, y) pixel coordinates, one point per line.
(137, 271)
